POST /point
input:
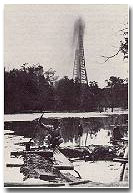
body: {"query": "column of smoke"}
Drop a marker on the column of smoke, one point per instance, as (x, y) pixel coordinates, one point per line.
(79, 27)
(78, 34)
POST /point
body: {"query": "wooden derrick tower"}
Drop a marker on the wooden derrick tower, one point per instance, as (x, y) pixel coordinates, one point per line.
(79, 70)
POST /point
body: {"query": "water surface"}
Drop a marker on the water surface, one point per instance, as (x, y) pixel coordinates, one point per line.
(96, 131)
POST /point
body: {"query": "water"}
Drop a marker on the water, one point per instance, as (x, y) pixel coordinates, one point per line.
(97, 130)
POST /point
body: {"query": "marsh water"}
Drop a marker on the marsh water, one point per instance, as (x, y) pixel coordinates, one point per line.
(97, 130)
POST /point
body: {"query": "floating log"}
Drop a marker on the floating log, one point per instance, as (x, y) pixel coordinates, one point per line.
(14, 165)
(47, 177)
(61, 167)
(24, 143)
(87, 183)
(43, 153)
(80, 182)
(86, 158)
(121, 160)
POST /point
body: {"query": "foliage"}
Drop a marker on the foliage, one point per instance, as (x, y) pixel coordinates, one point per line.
(116, 92)
(30, 88)
(27, 89)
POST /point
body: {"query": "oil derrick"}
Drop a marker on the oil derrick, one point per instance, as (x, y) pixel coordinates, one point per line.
(79, 70)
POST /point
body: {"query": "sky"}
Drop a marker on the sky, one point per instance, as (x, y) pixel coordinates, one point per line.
(44, 34)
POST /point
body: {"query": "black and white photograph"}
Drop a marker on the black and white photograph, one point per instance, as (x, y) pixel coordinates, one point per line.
(66, 118)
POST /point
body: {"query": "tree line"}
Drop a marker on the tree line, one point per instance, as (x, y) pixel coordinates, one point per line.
(31, 89)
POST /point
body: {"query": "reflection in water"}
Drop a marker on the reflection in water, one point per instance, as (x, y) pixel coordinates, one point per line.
(96, 131)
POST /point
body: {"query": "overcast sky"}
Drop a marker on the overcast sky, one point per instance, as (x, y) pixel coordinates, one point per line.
(44, 34)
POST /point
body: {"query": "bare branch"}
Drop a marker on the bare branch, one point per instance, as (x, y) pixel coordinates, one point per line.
(108, 57)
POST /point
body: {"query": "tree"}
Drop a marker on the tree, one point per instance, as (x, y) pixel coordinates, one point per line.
(96, 94)
(116, 92)
(65, 93)
(27, 89)
(114, 82)
(93, 85)
(50, 76)
(123, 46)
